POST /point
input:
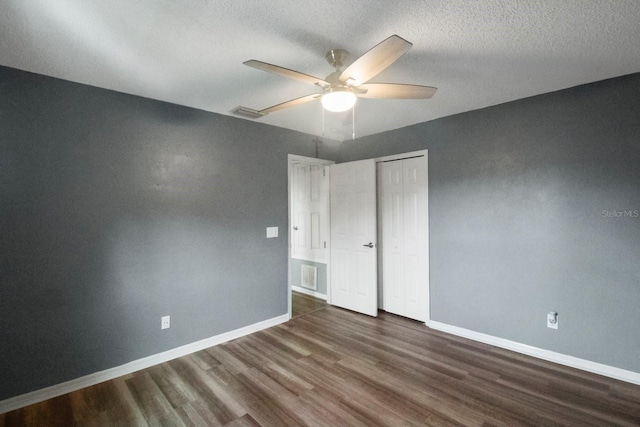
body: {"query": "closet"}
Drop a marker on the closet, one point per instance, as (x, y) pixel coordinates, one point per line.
(403, 237)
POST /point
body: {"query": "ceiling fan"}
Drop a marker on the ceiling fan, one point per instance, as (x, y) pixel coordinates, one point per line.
(341, 88)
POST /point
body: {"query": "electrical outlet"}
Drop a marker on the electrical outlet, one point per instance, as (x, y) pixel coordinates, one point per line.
(552, 320)
(165, 322)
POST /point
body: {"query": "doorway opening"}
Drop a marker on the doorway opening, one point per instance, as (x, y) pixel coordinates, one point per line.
(309, 240)
(394, 276)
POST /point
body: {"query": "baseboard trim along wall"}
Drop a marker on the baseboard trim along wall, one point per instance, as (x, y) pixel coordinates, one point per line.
(551, 356)
(128, 368)
(309, 292)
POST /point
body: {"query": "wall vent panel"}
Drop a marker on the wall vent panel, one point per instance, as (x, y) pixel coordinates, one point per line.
(309, 277)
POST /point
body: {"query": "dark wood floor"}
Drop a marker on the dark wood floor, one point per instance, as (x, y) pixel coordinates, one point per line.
(335, 368)
(304, 304)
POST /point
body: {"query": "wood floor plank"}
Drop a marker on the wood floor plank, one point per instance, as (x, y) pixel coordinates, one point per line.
(204, 360)
(333, 410)
(335, 367)
(288, 401)
(441, 409)
(177, 391)
(227, 359)
(126, 409)
(449, 390)
(598, 405)
(286, 378)
(55, 412)
(404, 404)
(262, 407)
(289, 342)
(360, 396)
(223, 408)
(339, 343)
(190, 416)
(244, 421)
(302, 304)
(155, 407)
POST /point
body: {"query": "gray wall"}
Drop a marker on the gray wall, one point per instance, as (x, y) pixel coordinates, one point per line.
(516, 200)
(116, 210)
(296, 277)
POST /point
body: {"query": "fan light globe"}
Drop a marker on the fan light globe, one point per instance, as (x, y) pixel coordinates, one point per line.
(338, 100)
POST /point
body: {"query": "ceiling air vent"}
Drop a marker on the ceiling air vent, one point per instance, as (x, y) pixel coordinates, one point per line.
(249, 113)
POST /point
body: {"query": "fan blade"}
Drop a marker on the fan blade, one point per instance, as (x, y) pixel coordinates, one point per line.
(285, 72)
(396, 91)
(291, 103)
(375, 60)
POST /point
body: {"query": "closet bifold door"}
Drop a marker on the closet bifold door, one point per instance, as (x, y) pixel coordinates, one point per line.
(405, 237)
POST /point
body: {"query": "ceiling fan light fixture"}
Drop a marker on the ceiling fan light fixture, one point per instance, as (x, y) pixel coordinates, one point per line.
(341, 88)
(338, 100)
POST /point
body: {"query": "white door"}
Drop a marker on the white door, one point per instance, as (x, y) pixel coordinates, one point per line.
(309, 211)
(353, 236)
(405, 245)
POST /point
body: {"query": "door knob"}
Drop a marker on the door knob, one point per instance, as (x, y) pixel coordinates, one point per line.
(370, 245)
(295, 228)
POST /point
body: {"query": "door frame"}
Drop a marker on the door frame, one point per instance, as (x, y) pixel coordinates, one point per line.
(401, 156)
(291, 159)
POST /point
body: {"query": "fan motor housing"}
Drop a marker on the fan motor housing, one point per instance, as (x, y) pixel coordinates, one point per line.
(337, 57)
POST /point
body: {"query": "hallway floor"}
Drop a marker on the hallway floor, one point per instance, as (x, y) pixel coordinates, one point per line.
(305, 304)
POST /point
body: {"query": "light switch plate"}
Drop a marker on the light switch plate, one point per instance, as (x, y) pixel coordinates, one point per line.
(272, 232)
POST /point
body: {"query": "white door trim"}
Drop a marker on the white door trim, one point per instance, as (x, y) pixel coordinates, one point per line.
(311, 160)
(402, 156)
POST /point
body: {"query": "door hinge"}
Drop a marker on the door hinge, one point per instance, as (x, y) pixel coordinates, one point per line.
(324, 170)
(325, 245)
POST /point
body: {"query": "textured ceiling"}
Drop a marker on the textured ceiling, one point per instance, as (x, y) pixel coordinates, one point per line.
(190, 52)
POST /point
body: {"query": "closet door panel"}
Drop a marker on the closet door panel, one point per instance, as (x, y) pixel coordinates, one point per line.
(393, 237)
(404, 228)
(416, 238)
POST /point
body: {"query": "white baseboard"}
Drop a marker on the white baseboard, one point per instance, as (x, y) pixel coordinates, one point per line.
(146, 362)
(309, 292)
(562, 359)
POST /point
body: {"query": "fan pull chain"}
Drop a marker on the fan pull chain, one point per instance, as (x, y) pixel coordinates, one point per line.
(322, 121)
(353, 122)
